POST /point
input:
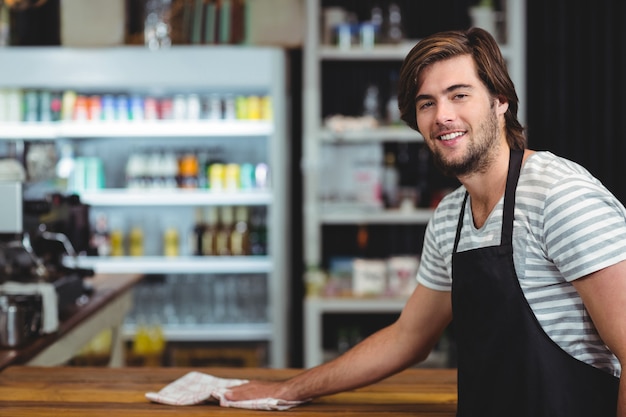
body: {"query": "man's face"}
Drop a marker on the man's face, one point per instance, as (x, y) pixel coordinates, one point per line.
(462, 124)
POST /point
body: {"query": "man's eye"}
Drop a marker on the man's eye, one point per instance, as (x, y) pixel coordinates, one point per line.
(460, 96)
(424, 105)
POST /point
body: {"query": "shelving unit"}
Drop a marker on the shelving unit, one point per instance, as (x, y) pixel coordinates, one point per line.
(319, 214)
(182, 69)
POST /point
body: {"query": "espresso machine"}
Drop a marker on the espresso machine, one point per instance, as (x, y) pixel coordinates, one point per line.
(36, 286)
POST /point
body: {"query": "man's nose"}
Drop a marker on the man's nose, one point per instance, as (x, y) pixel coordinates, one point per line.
(445, 112)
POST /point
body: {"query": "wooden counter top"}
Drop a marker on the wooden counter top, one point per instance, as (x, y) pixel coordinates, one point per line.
(94, 392)
(106, 289)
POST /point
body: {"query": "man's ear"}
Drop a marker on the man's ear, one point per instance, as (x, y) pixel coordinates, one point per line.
(501, 105)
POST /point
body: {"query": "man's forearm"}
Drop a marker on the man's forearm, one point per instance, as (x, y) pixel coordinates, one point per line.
(377, 357)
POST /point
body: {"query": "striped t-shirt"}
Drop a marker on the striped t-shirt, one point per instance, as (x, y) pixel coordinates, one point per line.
(566, 225)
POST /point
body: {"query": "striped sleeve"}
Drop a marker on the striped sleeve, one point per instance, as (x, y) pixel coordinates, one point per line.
(435, 269)
(585, 227)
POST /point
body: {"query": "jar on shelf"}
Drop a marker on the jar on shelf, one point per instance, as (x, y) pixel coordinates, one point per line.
(157, 29)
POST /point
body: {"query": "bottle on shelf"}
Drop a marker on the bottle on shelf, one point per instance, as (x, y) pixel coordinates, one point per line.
(171, 243)
(222, 238)
(65, 168)
(390, 182)
(188, 171)
(203, 166)
(258, 231)
(117, 242)
(135, 241)
(136, 170)
(315, 279)
(117, 237)
(371, 102)
(101, 239)
(5, 25)
(197, 234)
(362, 241)
(154, 169)
(239, 238)
(169, 169)
(209, 233)
(157, 28)
(395, 33)
(393, 111)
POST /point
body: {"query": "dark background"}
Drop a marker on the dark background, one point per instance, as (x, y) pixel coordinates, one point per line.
(576, 61)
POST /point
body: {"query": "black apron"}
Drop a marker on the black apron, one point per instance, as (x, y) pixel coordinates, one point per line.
(508, 366)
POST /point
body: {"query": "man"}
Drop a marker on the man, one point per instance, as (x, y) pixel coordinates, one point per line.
(528, 257)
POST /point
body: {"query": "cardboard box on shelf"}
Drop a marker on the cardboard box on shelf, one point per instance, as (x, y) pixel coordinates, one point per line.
(276, 22)
(89, 23)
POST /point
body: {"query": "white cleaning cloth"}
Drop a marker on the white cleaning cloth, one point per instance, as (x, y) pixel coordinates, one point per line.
(196, 387)
(49, 301)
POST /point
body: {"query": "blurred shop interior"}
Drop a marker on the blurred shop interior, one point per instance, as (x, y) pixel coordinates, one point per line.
(246, 158)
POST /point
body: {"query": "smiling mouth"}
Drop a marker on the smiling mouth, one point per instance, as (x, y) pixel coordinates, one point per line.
(450, 136)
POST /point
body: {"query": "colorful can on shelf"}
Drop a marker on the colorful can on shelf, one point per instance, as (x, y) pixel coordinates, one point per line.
(81, 109)
(254, 108)
(31, 106)
(166, 108)
(95, 108)
(150, 108)
(67, 105)
(45, 106)
(217, 177)
(136, 108)
(214, 107)
(108, 108)
(261, 176)
(241, 108)
(194, 109)
(4, 105)
(247, 177)
(232, 177)
(230, 111)
(56, 106)
(15, 109)
(267, 112)
(122, 108)
(179, 107)
(94, 173)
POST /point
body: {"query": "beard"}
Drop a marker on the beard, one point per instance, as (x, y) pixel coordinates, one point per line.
(479, 153)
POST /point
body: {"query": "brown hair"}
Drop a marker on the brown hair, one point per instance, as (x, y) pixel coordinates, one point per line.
(490, 65)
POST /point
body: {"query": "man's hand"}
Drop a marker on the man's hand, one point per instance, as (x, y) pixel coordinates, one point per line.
(259, 389)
